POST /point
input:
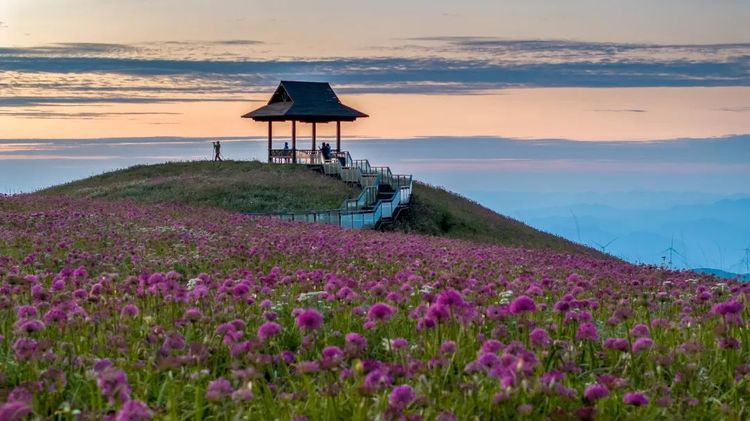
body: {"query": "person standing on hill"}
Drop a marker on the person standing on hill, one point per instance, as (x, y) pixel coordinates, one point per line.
(217, 151)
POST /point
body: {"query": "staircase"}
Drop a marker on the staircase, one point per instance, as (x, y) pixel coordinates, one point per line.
(383, 194)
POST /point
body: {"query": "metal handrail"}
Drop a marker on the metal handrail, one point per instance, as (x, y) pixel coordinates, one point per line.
(364, 211)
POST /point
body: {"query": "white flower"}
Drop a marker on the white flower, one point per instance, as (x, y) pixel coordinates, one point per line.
(426, 289)
(314, 295)
(505, 296)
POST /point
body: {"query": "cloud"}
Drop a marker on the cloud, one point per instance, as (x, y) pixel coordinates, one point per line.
(633, 110)
(230, 69)
(238, 42)
(736, 109)
(70, 49)
(44, 114)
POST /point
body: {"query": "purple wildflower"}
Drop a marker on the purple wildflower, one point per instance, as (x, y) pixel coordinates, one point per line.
(55, 316)
(522, 304)
(446, 416)
(640, 330)
(29, 326)
(451, 298)
(642, 344)
(376, 380)
(268, 330)
(113, 384)
(618, 344)
(399, 343)
(729, 307)
(129, 310)
(635, 399)
(193, 314)
(448, 347)
(492, 345)
(134, 410)
(587, 331)
(401, 397)
(24, 348)
(309, 319)
(540, 338)
(218, 389)
(242, 395)
(729, 342)
(355, 342)
(14, 411)
(595, 392)
(26, 312)
(380, 312)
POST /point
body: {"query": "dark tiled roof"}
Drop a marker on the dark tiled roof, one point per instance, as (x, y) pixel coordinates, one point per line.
(304, 101)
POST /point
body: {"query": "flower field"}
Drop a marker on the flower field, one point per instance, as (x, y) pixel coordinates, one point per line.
(129, 311)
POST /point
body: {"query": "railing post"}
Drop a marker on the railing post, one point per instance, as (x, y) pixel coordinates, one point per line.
(270, 141)
(338, 136)
(313, 137)
(294, 142)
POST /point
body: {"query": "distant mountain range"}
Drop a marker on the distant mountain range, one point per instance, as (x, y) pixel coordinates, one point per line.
(723, 274)
(684, 236)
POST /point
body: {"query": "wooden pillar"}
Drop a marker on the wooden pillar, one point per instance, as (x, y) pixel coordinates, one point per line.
(313, 137)
(338, 136)
(294, 142)
(270, 142)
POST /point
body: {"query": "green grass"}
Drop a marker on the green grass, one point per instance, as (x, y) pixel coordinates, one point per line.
(435, 211)
(260, 187)
(233, 185)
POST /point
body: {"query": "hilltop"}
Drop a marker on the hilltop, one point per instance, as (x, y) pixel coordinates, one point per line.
(233, 185)
(261, 188)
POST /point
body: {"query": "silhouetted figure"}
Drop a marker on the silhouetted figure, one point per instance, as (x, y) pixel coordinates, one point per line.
(286, 146)
(217, 151)
(326, 151)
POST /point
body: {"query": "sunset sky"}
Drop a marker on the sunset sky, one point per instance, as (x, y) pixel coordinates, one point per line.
(582, 70)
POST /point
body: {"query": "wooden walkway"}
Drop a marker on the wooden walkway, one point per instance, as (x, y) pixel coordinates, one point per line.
(384, 194)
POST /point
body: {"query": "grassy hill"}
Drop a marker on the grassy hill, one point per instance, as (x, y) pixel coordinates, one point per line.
(234, 185)
(258, 187)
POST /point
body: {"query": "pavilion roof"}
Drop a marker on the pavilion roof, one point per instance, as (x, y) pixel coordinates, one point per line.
(304, 101)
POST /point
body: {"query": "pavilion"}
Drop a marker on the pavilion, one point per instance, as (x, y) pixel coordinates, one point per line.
(304, 102)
